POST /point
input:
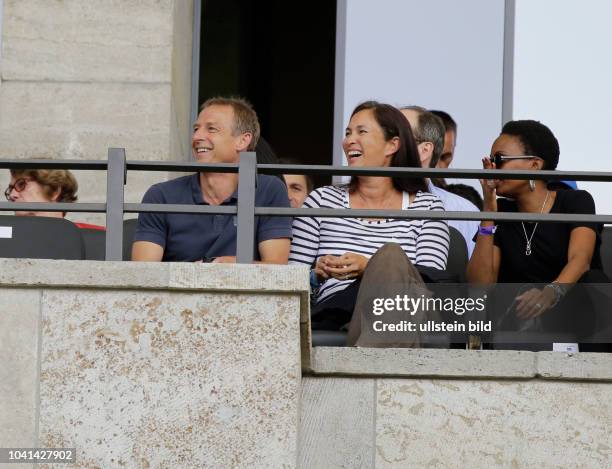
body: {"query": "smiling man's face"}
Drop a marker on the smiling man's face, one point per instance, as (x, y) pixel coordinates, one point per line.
(213, 139)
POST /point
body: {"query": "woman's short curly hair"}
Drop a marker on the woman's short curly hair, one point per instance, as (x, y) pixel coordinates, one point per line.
(51, 180)
(537, 139)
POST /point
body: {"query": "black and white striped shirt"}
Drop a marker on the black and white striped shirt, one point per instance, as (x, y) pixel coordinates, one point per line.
(425, 242)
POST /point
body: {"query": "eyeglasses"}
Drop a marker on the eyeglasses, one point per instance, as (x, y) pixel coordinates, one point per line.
(499, 159)
(20, 185)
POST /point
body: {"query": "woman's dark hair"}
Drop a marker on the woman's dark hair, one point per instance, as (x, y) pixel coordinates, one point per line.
(264, 152)
(537, 140)
(394, 124)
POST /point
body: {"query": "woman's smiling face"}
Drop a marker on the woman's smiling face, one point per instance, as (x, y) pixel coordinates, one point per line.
(364, 141)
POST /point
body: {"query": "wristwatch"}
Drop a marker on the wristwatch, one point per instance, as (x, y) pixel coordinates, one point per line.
(559, 289)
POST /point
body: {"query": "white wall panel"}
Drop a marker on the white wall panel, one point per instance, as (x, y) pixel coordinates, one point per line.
(562, 77)
(439, 54)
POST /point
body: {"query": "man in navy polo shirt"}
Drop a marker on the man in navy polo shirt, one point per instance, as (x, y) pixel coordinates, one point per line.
(225, 127)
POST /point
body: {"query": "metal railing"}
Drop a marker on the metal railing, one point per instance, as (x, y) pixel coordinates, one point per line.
(117, 167)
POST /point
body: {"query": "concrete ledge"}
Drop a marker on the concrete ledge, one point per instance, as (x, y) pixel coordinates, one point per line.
(155, 275)
(480, 364)
(423, 362)
(583, 366)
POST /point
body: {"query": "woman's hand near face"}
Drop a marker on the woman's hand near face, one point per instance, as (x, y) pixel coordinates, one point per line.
(489, 192)
(344, 267)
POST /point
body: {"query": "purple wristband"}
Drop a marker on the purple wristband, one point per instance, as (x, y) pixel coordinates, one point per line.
(487, 230)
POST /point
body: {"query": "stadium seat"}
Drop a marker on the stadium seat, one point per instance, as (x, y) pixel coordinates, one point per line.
(606, 250)
(40, 238)
(95, 244)
(328, 338)
(457, 254)
(129, 229)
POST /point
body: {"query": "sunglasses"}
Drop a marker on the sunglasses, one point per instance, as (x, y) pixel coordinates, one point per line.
(500, 159)
(19, 186)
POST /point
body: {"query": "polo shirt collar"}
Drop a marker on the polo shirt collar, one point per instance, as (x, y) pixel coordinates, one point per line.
(196, 192)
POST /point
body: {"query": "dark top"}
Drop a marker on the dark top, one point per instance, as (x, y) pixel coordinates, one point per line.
(191, 237)
(549, 244)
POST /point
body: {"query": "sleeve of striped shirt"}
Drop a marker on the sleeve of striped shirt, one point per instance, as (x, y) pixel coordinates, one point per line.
(306, 232)
(433, 240)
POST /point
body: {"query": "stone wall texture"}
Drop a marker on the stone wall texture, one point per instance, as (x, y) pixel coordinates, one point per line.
(79, 77)
(155, 365)
(417, 423)
(153, 371)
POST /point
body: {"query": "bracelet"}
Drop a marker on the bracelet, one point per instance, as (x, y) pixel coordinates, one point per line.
(560, 291)
(487, 230)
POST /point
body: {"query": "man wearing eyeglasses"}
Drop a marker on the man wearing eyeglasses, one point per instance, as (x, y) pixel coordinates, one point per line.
(224, 128)
(428, 130)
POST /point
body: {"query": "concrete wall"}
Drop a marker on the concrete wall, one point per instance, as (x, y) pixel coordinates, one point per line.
(400, 408)
(79, 77)
(152, 365)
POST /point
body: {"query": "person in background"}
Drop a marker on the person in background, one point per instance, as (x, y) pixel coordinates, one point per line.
(354, 258)
(563, 185)
(265, 153)
(450, 140)
(298, 185)
(467, 192)
(428, 132)
(225, 127)
(44, 185)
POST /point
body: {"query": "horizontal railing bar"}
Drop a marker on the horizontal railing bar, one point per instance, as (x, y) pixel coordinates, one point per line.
(432, 215)
(436, 172)
(181, 167)
(52, 207)
(310, 212)
(54, 164)
(311, 169)
(180, 208)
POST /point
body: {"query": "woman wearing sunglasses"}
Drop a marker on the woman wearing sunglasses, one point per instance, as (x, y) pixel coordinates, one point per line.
(43, 185)
(553, 255)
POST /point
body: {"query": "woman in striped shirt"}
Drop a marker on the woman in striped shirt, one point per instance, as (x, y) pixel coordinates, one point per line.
(341, 250)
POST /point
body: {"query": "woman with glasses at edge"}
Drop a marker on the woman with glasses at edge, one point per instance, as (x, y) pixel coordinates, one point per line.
(555, 254)
(44, 185)
(356, 259)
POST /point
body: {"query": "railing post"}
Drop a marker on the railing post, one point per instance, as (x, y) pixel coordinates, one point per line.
(115, 182)
(245, 240)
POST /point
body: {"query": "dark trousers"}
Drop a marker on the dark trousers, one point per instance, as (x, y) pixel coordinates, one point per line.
(389, 273)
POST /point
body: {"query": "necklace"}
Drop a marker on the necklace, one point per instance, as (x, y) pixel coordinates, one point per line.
(529, 238)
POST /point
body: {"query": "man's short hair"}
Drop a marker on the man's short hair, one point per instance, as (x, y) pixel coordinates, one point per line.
(430, 129)
(245, 117)
(447, 120)
(307, 177)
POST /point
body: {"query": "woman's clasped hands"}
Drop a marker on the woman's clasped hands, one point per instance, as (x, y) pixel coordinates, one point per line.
(348, 266)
